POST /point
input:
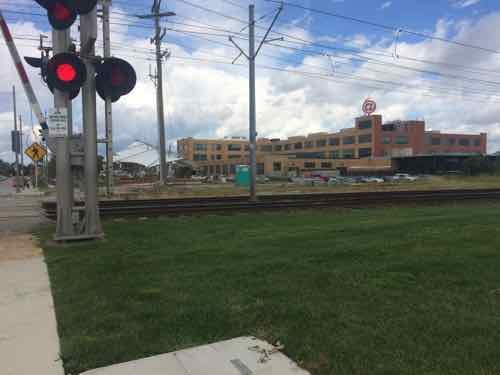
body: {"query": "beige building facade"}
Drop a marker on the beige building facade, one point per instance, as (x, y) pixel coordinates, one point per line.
(367, 147)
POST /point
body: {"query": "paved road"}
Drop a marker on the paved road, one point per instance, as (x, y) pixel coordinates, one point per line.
(20, 213)
(6, 187)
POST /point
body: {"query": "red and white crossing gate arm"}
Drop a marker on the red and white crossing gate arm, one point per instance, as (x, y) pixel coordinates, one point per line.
(35, 106)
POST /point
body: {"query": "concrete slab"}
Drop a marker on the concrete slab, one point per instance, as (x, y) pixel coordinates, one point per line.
(29, 343)
(240, 356)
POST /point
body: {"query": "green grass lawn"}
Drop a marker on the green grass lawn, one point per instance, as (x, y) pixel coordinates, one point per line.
(374, 291)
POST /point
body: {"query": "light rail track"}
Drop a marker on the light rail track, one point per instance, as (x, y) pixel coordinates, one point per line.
(232, 204)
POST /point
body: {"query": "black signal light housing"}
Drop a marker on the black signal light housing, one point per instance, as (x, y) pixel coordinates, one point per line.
(62, 13)
(66, 72)
(115, 78)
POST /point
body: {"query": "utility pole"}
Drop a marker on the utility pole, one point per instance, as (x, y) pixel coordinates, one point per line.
(108, 109)
(157, 15)
(251, 56)
(15, 130)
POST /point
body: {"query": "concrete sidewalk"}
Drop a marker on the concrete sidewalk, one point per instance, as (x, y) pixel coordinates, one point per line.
(29, 343)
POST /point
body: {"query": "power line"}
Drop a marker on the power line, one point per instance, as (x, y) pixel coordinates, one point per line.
(384, 27)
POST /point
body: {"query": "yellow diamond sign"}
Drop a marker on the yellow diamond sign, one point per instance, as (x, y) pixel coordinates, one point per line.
(36, 152)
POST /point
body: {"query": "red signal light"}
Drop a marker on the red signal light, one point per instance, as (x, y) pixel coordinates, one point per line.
(115, 78)
(66, 72)
(61, 12)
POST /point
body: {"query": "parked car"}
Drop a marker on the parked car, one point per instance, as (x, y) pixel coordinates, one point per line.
(377, 180)
(405, 177)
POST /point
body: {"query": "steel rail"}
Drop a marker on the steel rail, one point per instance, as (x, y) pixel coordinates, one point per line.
(232, 204)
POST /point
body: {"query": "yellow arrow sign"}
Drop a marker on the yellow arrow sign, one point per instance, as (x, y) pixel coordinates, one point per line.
(36, 152)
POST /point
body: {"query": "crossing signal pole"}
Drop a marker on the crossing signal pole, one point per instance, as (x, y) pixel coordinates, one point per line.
(91, 225)
(157, 15)
(108, 110)
(251, 57)
(66, 73)
(64, 180)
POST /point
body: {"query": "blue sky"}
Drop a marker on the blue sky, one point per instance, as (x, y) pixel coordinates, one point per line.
(208, 99)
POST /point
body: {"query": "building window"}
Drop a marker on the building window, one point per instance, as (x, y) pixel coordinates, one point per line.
(309, 165)
(365, 138)
(260, 169)
(218, 157)
(452, 141)
(349, 153)
(200, 147)
(435, 141)
(335, 154)
(278, 148)
(326, 165)
(298, 146)
(334, 141)
(216, 147)
(225, 170)
(366, 124)
(477, 142)
(401, 140)
(288, 147)
(277, 167)
(200, 157)
(386, 140)
(321, 143)
(388, 127)
(233, 147)
(217, 169)
(309, 144)
(234, 156)
(266, 148)
(247, 147)
(348, 140)
(365, 152)
(211, 169)
(232, 169)
(464, 142)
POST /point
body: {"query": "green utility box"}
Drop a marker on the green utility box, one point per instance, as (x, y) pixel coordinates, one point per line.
(243, 175)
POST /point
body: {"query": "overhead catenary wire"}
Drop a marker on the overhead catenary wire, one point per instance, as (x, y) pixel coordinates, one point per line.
(212, 34)
(385, 27)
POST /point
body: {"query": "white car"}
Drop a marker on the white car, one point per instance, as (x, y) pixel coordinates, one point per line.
(377, 180)
(404, 177)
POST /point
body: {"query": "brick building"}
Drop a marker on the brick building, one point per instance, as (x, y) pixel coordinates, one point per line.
(368, 146)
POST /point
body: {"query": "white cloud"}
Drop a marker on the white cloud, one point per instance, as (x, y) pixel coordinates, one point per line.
(209, 100)
(386, 4)
(464, 3)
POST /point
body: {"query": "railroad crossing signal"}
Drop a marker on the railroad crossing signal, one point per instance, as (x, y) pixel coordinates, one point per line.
(66, 72)
(115, 78)
(36, 152)
(62, 13)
